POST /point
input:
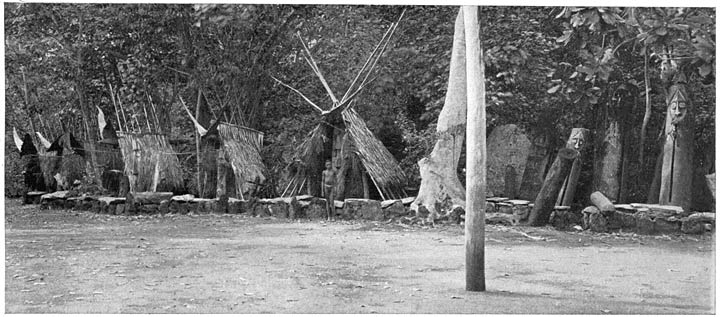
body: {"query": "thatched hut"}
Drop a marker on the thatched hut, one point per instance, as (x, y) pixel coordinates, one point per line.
(151, 164)
(63, 162)
(360, 159)
(109, 163)
(29, 155)
(240, 150)
(343, 138)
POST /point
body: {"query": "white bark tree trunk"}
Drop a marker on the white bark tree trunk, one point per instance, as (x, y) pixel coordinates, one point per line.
(440, 184)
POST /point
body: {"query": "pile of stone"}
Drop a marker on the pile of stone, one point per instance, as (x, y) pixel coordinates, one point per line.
(501, 210)
(604, 216)
(509, 212)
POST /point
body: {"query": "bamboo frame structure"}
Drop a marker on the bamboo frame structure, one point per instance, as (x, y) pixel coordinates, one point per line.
(381, 166)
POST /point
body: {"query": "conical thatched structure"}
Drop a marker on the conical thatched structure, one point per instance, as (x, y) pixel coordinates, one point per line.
(343, 138)
(380, 165)
(151, 164)
(356, 152)
(241, 148)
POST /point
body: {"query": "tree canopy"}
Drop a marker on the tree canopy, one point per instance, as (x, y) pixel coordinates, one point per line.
(548, 69)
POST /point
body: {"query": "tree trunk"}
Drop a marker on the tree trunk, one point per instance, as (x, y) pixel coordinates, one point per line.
(439, 170)
(545, 201)
(654, 191)
(576, 142)
(677, 167)
(608, 162)
(92, 169)
(648, 111)
(476, 169)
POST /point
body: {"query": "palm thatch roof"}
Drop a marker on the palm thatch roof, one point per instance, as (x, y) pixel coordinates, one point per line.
(305, 161)
(242, 149)
(65, 156)
(151, 164)
(382, 167)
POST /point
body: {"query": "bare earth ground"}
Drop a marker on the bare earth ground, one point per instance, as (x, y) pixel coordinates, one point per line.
(61, 261)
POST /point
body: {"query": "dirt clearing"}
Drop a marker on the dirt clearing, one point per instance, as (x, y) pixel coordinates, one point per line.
(61, 261)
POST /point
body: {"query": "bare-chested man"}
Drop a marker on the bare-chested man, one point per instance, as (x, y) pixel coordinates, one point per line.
(327, 190)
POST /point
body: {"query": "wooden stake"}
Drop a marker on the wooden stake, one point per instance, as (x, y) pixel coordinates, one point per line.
(366, 188)
(117, 113)
(156, 175)
(287, 187)
(152, 105)
(197, 143)
(147, 121)
(122, 111)
(476, 173)
(302, 185)
(378, 188)
(137, 122)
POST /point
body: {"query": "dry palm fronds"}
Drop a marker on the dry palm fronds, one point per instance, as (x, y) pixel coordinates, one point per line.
(142, 154)
(242, 150)
(305, 160)
(377, 160)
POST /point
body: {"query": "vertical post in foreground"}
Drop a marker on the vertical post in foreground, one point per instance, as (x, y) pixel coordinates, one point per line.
(475, 175)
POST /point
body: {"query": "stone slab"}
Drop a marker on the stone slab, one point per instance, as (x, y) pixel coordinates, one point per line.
(407, 200)
(506, 145)
(63, 194)
(183, 198)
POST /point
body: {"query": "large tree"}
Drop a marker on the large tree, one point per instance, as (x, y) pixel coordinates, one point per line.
(440, 183)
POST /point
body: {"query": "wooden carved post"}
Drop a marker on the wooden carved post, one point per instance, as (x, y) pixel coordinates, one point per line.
(545, 201)
(576, 142)
(677, 166)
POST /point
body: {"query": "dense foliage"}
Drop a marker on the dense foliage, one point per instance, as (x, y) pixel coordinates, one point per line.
(547, 69)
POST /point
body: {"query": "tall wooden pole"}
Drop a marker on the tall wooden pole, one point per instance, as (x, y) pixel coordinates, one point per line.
(475, 178)
(197, 147)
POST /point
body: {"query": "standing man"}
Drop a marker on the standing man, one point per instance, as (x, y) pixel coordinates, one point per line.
(328, 188)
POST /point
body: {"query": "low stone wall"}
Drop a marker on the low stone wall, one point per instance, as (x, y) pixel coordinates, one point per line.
(648, 219)
(296, 207)
(639, 218)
